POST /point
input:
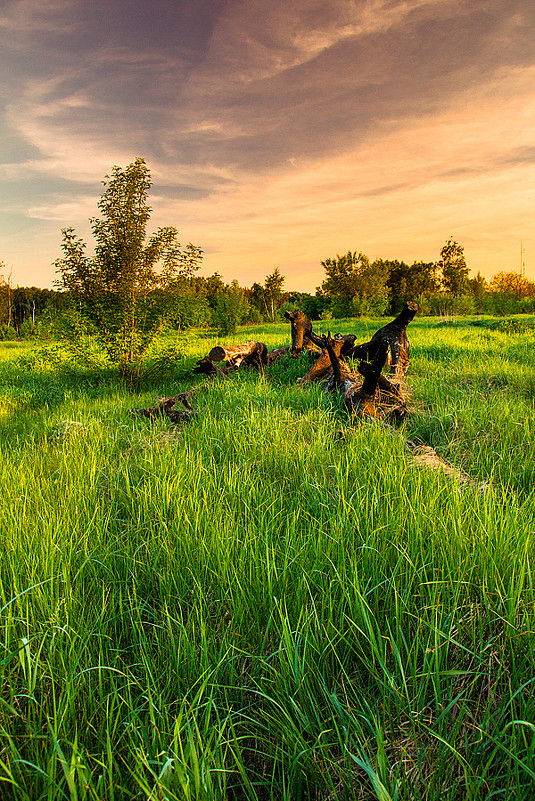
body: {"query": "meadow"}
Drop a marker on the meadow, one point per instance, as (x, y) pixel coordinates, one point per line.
(271, 602)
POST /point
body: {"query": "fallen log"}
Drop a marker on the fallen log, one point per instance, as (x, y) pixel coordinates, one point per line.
(251, 353)
(205, 366)
(276, 353)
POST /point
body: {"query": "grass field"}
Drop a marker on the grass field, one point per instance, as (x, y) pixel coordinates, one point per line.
(269, 603)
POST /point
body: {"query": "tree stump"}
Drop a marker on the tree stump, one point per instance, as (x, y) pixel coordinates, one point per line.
(395, 335)
(301, 331)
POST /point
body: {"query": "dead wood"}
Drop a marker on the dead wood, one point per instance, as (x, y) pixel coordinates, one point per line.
(205, 366)
(425, 456)
(358, 392)
(322, 367)
(252, 354)
(276, 353)
(348, 345)
(394, 334)
(301, 331)
(165, 408)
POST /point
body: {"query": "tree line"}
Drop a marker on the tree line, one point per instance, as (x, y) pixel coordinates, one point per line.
(133, 284)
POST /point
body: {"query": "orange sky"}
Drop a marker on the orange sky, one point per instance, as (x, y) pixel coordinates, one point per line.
(277, 134)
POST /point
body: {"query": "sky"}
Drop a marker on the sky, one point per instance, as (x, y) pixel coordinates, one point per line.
(278, 133)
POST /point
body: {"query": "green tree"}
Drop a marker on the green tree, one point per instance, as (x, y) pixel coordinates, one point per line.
(6, 298)
(231, 308)
(128, 288)
(452, 265)
(411, 282)
(273, 284)
(256, 296)
(354, 285)
(513, 284)
(478, 285)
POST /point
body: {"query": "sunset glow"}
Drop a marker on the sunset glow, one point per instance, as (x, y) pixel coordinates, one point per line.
(277, 134)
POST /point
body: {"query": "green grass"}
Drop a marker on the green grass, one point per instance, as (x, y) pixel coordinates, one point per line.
(271, 602)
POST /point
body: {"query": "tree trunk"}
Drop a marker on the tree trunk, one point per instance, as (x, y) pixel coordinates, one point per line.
(395, 335)
(275, 354)
(252, 353)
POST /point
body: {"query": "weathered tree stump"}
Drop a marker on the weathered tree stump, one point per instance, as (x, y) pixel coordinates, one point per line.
(301, 331)
(395, 335)
(358, 394)
(322, 367)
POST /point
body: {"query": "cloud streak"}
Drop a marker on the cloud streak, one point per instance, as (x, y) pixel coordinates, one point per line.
(276, 133)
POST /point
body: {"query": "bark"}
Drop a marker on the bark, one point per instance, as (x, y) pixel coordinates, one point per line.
(252, 353)
(395, 335)
(165, 408)
(358, 394)
(276, 353)
(205, 366)
(301, 331)
(322, 367)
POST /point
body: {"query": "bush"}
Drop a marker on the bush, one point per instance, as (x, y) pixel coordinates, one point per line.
(231, 309)
(28, 330)
(370, 305)
(7, 332)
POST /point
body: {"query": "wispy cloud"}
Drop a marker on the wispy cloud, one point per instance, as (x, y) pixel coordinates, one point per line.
(276, 132)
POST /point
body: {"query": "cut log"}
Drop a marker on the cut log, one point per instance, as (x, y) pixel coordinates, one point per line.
(253, 353)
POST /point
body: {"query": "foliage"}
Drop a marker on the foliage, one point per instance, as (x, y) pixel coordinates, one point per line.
(410, 282)
(6, 298)
(478, 285)
(353, 284)
(231, 309)
(268, 297)
(513, 284)
(452, 265)
(128, 288)
(7, 332)
(444, 304)
(273, 284)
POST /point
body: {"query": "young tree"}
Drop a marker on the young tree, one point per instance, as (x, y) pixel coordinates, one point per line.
(126, 290)
(231, 308)
(273, 284)
(6, 297)
(452, 265)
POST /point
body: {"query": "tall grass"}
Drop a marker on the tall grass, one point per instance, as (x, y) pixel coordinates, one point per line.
(271, 602)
